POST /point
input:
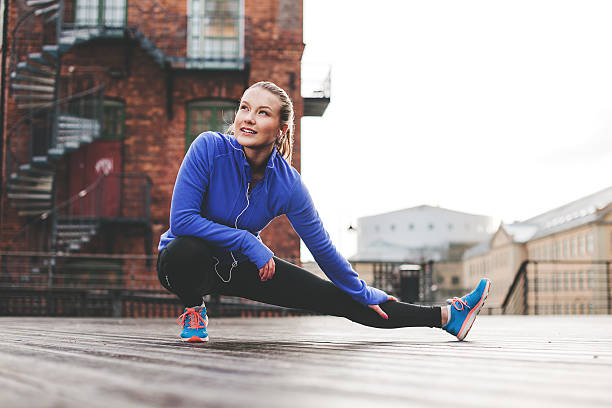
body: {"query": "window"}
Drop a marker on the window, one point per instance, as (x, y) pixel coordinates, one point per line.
(411, 226)
(574, 245)
(591, 275)
(107, 13)
(392, 227)
(113, 122)
(552, 251)
(581, 244)
(377, 228)
(214, 33)
(455, 280)
(431, 226)
(203, 116)
(450, 227)
(589, 243)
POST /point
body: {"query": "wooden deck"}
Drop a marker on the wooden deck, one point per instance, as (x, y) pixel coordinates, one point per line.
(507, 361)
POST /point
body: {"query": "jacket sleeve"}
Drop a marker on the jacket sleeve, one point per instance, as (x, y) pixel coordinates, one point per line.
(190, 190)
(306, 221)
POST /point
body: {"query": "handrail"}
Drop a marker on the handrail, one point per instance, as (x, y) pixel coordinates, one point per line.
(33, 113)
(86, 192)
(522, 270)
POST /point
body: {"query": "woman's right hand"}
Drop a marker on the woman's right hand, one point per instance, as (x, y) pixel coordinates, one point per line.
(267, 271)
(378, 310)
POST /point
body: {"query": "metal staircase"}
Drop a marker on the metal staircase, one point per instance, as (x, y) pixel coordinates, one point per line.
(55, 121)
(58, 119)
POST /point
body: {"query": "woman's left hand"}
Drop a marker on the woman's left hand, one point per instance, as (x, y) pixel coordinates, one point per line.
(378, 310)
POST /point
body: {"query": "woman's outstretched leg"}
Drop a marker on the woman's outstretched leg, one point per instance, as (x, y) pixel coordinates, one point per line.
(297, 288)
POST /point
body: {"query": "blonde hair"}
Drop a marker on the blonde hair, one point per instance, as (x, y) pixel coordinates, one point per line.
(284, 143)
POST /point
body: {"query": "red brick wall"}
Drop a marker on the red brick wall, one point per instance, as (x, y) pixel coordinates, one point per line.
(155, 144)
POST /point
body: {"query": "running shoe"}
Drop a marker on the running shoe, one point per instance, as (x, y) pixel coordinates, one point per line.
(194, 322)
(464, 310)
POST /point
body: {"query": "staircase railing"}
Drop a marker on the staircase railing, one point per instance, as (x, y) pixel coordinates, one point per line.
(515, 301)
(38, 125)
(92, 204)
(28, 36)
(124, 196)
(566, 286)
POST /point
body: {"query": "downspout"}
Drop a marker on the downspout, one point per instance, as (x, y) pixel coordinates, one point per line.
(5, 14)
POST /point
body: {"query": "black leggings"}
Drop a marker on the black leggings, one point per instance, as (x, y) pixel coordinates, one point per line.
(186, 268)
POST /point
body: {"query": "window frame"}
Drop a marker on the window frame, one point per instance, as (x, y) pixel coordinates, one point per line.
(215, 105)
(115, 104)
(198, 59)
(100, 20)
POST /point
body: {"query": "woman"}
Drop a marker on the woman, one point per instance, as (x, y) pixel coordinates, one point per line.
(228, 188)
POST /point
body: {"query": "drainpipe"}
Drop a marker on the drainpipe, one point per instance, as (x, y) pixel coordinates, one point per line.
(5, 14)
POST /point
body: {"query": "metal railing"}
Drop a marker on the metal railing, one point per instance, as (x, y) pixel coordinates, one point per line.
(560, 287)
(214, 40)
(40, 126)
(32, 30)
(113, 195)
(316, 80)
(54, 284)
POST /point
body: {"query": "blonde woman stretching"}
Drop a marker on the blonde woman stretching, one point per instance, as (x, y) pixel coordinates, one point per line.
(228, 188)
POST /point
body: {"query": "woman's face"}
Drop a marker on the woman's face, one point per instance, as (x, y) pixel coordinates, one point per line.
(257, 123)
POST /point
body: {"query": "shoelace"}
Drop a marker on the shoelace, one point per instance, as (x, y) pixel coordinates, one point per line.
(195, 319)
(462, 302)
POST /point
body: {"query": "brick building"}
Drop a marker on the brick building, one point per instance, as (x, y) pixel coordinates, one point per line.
(103, 98)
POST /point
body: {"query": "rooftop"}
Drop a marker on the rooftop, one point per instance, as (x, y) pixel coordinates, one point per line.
(571, 215)
(506, 361)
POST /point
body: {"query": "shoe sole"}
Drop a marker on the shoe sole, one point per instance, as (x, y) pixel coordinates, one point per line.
(194, 339)
(469, 321)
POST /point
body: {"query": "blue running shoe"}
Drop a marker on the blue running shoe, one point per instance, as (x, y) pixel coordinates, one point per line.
(464, 310)
(194, 322)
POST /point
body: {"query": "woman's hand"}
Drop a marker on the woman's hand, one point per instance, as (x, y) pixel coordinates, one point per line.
(378, 310)
(267, 271)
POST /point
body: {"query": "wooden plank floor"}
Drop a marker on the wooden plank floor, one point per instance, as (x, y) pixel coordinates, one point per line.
(506, 361)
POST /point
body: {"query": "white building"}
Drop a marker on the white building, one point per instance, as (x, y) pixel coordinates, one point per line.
(418, 234)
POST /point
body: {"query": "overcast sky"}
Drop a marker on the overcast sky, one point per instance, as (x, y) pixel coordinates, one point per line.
(500, 108)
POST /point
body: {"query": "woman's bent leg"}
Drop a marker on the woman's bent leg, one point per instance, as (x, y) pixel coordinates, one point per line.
(185, 267)
(295, 287)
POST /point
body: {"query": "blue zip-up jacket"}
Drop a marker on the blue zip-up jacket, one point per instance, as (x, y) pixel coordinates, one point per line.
(211, 201)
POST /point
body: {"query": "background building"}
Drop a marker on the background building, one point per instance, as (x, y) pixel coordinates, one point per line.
(419, 235)
(565, 252)
(104, 98)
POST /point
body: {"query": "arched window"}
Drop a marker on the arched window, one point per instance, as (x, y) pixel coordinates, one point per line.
(209, 115)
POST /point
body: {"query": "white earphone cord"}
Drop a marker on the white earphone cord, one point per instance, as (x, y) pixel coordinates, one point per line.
(235, 263)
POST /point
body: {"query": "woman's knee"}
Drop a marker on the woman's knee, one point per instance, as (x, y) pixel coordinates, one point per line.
(186, 253)
(185, 264)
